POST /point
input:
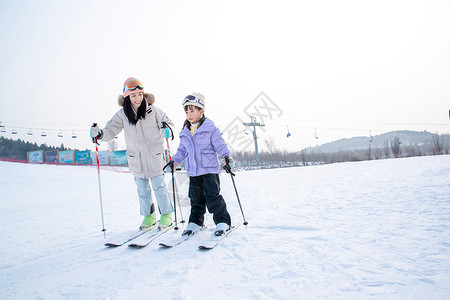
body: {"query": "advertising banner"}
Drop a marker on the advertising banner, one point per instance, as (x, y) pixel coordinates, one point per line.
(66, 157)
(103, 157)
(119, 158)
(83, 157)
(51, 156)
(35, 157)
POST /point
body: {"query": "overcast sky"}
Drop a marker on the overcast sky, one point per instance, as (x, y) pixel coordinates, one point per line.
(334, 69)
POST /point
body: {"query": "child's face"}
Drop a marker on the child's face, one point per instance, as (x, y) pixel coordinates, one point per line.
(193, 114)
(136, 98)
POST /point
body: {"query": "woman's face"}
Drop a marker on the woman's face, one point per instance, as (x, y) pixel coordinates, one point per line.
(136, 98)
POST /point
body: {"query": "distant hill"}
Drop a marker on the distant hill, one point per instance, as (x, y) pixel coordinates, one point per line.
(420, 139)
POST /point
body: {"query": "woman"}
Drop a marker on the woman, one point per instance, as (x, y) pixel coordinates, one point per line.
(142, 121)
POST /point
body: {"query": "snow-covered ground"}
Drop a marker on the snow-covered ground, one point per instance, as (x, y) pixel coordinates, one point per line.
(365, 230)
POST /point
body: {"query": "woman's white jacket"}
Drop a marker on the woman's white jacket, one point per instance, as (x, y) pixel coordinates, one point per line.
(144, 141)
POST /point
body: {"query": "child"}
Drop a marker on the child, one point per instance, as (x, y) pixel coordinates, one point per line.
(200, 142)
(142, 121)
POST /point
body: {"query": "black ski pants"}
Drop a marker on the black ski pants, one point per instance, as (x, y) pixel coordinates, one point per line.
(204, 193)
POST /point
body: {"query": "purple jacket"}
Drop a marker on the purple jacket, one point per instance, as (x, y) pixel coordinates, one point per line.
(200, 150)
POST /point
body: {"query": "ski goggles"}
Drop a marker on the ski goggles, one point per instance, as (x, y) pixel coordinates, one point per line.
(191, 99)
(133, 85)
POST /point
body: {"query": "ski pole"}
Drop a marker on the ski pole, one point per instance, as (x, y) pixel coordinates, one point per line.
(169, 132)
(227, 168)
(173, 189)
(95, 141)
(178, 200)
(174, 201)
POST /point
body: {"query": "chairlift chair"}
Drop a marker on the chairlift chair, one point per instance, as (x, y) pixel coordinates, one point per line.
(60, 134)
(74, 135)
(43, 134)
(288, 132)
(30, 132)
(14, 131)
(315, 134)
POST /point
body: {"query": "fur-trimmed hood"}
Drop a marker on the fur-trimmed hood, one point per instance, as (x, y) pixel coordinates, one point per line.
(147, 96)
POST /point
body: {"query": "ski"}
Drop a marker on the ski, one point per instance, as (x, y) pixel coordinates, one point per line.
(215, 240)
(178, 240)
(147, 239)
(126, 237)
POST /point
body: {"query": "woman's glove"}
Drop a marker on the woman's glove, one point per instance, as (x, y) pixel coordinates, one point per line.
(96, 133)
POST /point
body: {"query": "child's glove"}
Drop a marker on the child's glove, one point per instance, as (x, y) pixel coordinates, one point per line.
(227, 166)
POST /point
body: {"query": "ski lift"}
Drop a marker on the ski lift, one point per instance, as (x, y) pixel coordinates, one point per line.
(43, 134)
(288, 132)
(3, 128)
(315, 134)
(60, 134)
(246, 132)
(371, 137)
(14, 131)
(30, 132)
(74, 135)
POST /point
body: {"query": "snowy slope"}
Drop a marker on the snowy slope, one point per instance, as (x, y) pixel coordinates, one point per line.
(365, 230)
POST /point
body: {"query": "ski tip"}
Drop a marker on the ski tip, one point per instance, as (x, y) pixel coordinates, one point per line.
(165, 245)
(135, 246)
(204, 248)
(111, 245)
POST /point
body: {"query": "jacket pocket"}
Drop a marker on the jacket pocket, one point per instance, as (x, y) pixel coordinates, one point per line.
(209, 159)
(134, 161)
(156, 162)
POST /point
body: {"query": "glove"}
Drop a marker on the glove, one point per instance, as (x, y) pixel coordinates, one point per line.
(227, 166)
(96, 132)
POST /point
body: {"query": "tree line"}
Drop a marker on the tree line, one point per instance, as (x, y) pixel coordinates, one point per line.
(391, 149)
(17, 149)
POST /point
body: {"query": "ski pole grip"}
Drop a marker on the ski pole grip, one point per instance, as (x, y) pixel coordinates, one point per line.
(170, 164)
(167, 133)
(168, 130)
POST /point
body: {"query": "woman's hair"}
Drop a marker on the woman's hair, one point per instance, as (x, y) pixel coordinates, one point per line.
(128, 109)
(187, 123)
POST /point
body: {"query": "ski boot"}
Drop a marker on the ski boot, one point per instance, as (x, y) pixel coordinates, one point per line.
(165, 221)
(148, 222)
(221, 228)
(192, 227)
